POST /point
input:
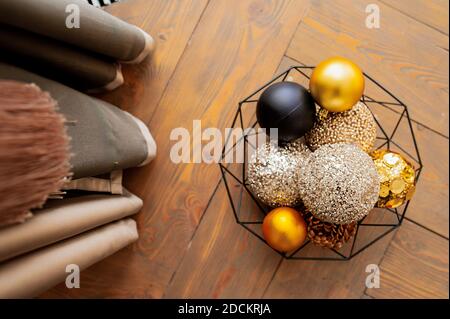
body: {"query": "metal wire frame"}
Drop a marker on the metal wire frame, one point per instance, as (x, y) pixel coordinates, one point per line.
(388, 142)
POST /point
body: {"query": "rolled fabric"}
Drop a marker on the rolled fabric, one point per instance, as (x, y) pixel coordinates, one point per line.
(32, 274)
(98, 31)
(61, 219)
(59, 61)
(103, 137)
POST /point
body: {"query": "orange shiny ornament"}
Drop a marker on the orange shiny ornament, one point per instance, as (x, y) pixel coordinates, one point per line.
(284, 229)
(337, 84)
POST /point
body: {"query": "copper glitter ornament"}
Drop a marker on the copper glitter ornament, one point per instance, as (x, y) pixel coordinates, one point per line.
(339, 183)
(273, 173)
(356, 126)
(397, 178)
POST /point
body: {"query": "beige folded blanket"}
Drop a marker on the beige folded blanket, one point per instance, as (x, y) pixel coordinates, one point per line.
(63, 219)
(98, 31)
(34, 273)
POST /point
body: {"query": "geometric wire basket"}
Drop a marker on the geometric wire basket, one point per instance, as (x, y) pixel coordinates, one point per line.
(394, 132)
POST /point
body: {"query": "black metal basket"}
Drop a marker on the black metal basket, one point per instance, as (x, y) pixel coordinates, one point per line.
(394, 132)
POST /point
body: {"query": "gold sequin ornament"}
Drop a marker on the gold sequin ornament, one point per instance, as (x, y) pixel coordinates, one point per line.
(273, 172)
(356, 126)
(339, 183)
(397, 178)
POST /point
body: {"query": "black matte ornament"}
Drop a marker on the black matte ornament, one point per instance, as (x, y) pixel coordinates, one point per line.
(287, 106)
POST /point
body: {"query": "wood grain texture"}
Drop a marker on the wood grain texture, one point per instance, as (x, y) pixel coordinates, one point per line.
(224, 260)
(415, 266)
(404, 55)
(205, 62)
(333, 279)
(230, 54)
(222, 267)
(433, 13)
(171, 24)
(429, 206)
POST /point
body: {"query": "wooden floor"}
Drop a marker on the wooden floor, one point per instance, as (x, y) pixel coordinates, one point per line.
(212, 53)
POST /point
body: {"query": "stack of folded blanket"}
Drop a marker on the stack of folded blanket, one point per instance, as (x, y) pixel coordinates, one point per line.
(62, 152)
(70, 41)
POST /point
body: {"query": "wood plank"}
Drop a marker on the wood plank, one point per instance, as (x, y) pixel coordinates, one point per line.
(231, 53)
(224, 260)
(429, 206)
(407, 57)
(347, 280)
(217, 265)
(415, 266)
(234, 264)
(171, 24)
(334, 279)
(433, 13)
(327, 279)
(173, 257)
(324, 279)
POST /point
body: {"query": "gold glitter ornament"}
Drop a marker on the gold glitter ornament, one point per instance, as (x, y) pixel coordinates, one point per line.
(356, 126)
(397, 178)
(339, 183)
(273, 173)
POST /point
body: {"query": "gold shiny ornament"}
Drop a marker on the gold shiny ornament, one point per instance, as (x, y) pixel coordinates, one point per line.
(284, 229)
(355, 126)
(397, 178)
(337, 84)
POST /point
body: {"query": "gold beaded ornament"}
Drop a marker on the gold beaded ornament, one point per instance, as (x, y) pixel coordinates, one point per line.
(356, 126)
(397, 178)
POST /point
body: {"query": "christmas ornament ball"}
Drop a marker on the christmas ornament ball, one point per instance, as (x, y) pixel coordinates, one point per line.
(397, 178)
(337, 84)
(284, 229)
(273, 172)
(355, 126)
(339, 183)
(287, 106)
